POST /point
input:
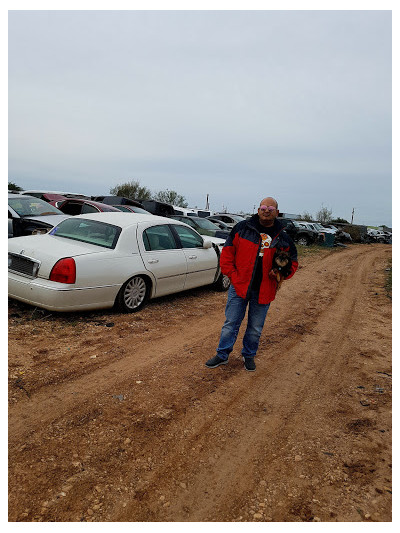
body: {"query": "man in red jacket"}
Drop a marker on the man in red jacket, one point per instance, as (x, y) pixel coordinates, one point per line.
(246, 259)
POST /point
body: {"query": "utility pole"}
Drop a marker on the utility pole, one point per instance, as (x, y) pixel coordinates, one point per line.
(207, 204)
(352, 215)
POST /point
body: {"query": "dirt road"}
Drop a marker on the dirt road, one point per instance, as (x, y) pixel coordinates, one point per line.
(114, 417)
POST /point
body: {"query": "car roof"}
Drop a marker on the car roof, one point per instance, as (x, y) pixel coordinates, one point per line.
(62, 193)
(19, 195)
(124, 220)
(86, 201)
(236, 214)
(185, 216)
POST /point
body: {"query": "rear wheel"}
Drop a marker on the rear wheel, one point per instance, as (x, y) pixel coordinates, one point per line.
(133, 294)
(223, 283)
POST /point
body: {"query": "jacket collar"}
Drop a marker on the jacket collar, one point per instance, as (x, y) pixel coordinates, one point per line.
(254, 220)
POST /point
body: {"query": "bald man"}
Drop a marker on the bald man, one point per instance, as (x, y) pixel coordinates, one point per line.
(246, 259)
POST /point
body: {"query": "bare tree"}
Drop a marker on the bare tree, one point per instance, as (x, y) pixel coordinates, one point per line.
(306, 216)
(324, 215)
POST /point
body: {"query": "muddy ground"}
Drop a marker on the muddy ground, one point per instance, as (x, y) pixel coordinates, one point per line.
(114, 417)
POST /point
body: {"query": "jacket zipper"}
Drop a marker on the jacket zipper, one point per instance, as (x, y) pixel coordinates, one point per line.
(254, 269)
(273, 242)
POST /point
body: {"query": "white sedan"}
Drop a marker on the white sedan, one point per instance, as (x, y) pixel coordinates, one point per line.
(96, 261)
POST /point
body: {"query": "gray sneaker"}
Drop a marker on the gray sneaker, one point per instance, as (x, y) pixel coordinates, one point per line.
(216, 361)
(249, 364)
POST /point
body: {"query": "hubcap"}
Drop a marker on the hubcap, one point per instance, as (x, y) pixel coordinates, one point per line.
(226, 282)
(134, 293)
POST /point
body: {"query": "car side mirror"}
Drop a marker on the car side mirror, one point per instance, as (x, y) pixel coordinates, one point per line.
(207, 244)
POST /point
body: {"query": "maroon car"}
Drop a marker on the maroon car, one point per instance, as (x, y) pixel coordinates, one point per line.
(77, 206)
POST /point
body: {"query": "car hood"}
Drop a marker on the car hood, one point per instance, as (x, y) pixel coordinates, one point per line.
(52, 220)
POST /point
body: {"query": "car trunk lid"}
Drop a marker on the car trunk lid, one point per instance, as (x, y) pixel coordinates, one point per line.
(46, 250)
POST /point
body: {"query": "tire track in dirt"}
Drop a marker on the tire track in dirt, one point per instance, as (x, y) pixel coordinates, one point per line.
(184, 435)
(236, 461)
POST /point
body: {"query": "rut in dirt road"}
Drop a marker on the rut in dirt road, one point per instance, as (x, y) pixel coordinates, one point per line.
(295, 441)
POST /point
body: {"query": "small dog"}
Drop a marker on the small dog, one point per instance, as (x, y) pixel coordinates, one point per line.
(281, 265)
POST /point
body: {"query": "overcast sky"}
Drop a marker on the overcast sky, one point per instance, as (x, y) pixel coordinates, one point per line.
(235, 104)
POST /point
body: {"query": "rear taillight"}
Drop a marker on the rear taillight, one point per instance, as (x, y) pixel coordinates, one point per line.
(64, 271)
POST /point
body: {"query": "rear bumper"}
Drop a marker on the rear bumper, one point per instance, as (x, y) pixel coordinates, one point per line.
(58, 296)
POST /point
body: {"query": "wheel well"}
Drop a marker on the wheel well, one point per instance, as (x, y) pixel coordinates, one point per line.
(147, 279)
(218, 272)
(303, 236)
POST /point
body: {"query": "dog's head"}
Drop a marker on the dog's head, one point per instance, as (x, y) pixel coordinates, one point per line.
(282, 262)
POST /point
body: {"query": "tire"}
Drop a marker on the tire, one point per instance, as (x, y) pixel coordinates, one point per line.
(222, 284)
(303, 241)
(133, 295)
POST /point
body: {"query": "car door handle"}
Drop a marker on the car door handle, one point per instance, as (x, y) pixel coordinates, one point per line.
(151, 261)
(192, 256)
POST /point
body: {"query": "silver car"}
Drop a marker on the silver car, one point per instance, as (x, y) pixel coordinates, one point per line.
(28, 215)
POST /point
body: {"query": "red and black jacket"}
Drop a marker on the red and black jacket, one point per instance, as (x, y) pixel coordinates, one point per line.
(239, 258)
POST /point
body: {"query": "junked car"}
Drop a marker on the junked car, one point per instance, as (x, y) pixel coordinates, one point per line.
(220, 224)
(100, 260)
(299, 233)
(203, 226)
(28, 215)
(229, 218)
(376, 235)
(80, 206)
(319, 227)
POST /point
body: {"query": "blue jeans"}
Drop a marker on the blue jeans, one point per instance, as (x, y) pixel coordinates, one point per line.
(234, 313)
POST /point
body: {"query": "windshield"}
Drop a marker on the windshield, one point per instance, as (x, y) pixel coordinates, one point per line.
(237, 218)
(89, 231)
(30, 206)
(206, 224)
(139, 210)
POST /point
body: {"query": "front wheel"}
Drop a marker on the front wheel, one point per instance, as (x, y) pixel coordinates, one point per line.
(223, 283)
(133, 294)
(303, 241)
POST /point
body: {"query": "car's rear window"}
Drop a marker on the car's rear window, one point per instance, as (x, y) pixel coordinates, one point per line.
(90, 231)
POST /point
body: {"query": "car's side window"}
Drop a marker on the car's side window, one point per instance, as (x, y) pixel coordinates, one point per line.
(158, 238)
(188, 237)
(71, 208)
(86, 208)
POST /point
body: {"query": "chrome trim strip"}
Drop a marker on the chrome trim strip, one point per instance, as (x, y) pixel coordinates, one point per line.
(22, 274)
(33, 259)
